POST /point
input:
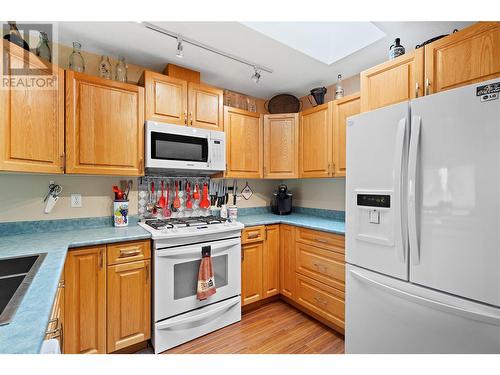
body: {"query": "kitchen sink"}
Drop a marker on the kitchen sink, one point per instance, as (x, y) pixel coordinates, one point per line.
(16, 274)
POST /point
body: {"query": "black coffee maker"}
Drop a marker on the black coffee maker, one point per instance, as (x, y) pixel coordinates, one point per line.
(282, 201)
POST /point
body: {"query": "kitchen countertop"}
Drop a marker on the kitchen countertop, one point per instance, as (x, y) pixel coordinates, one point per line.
(298, 219)
(25, 333)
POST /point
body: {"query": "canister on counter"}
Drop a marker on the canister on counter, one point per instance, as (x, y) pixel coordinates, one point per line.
(120, 212)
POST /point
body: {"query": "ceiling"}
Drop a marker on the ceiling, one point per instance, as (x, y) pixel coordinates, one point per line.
(294, 72)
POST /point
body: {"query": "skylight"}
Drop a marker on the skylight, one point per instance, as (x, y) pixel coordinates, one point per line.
(327, 42)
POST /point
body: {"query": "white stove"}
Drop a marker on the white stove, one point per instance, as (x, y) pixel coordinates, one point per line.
(178, 315)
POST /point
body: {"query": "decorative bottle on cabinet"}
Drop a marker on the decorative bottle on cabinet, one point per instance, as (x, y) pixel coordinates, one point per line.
(339, 90)
(396, 49)
(43, 49)
(76, 61)
(104, 67)
(121, 70)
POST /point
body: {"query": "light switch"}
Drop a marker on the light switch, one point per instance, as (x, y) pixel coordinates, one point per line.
(374, 217)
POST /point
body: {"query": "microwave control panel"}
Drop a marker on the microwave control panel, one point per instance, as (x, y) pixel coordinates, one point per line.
(217, 151)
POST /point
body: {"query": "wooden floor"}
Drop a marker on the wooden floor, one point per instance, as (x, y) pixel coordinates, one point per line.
(275, 328)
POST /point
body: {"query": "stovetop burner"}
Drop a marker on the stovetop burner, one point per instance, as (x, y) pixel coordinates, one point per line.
(184, 221)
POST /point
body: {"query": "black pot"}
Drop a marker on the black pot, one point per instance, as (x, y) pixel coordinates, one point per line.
(319, 94)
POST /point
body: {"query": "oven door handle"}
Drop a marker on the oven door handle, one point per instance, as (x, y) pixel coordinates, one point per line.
(187, 253)
(196, 318)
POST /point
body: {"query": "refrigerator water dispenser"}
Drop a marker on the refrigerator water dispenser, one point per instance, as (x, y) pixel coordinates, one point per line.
(375, 218)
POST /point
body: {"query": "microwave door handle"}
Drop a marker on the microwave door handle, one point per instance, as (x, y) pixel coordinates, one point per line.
(209, 158)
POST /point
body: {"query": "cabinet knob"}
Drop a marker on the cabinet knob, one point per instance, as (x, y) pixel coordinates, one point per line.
(416, 89)
(427, 86)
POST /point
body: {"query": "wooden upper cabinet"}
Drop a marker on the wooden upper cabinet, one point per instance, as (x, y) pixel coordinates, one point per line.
(104, 126)
(85, 301)
(32, 119)
(342, 109)
(129, 304)
(315, 141)
(281, 146)
(206, 105)
(393, 81)
(166, 98)
(465, 57)
(244, 142)
(270, 262)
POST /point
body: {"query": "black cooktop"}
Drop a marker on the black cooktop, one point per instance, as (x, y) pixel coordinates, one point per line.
(184, 221)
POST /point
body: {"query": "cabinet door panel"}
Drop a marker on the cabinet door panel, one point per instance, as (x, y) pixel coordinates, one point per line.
(129, 301)
(104, 126)
(270, 261)
(251, 273)
(281, 146)
(206, 107)
(166, 98)
(316, 142)
(287, 261)
(244, 143)
(32, 119)
(342, 109)
(85, 301)
(468, 56)
(393, 81)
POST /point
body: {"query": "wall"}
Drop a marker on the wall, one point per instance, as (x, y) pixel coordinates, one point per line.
(262, 191)
(21, 196)
(327, 193)
(351, 85)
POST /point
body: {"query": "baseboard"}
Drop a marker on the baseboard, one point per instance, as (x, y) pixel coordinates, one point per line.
(133, 348)
(257, 304)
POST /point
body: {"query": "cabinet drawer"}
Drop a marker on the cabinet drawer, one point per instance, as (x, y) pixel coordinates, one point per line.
(321, 265)
(128, 252)
(253, 234)
(329, 241)
(321, 299)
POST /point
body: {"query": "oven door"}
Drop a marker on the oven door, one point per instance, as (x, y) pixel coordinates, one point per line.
(176, 276)
(176, 147)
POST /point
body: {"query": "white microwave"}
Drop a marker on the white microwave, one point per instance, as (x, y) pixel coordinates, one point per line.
(183, 151)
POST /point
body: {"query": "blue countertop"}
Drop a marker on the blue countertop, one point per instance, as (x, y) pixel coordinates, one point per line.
(298, 219)
(25, 333)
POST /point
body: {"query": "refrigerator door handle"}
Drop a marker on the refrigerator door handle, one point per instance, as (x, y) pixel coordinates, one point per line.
(412, 187)
(398, 185)
(436, 305)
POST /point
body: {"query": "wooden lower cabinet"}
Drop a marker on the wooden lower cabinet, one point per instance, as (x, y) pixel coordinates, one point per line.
(85, 301)
(287, 260)
(106, 306)
(251, 272)
(270, 262)
(129, 306)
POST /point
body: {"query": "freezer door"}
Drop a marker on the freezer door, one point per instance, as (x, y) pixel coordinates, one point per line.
(387, 315)
(375, 219)
(454, 193)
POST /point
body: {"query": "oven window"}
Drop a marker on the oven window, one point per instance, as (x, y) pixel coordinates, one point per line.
(178, 147)
(186, 276)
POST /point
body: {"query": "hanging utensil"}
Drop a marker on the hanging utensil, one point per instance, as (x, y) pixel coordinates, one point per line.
(161, 201)
(177, 202)
(205, 203)
(189, 202)
(166, 209)
(235, 191)
(154, 197)
(196, 193)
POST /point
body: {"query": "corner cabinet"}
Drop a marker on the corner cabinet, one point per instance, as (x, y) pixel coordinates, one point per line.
(104, 126)
(342, 109)
(281, 145)
(315, 142)
(465, 57)
(32, 120)
(244, 143)
(393, 81)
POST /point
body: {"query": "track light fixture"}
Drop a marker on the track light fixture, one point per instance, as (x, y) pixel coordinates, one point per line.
(180, 47)
(256, 75)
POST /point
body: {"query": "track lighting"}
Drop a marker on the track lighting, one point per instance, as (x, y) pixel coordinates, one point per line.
(256, 75)
(180, 47)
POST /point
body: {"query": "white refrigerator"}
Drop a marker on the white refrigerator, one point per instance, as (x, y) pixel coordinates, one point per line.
(423, 225)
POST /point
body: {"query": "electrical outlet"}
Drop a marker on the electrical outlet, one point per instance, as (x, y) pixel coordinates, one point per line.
(76, 200)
